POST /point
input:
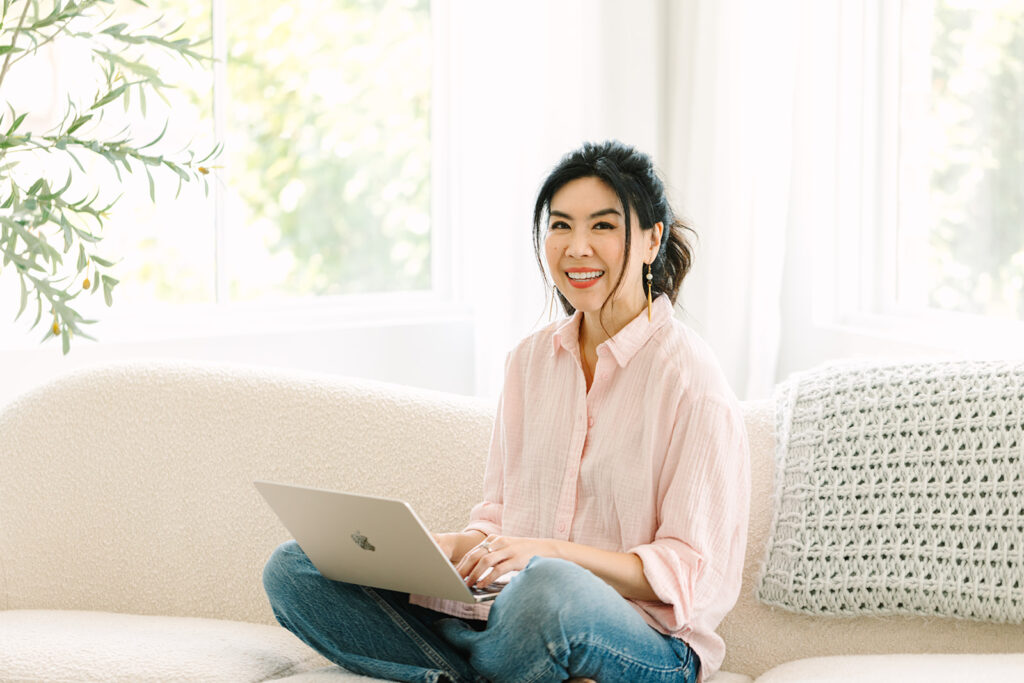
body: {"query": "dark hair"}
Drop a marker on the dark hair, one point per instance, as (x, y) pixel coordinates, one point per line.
(631, 175)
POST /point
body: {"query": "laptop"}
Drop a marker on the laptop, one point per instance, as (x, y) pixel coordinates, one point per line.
(370, 541)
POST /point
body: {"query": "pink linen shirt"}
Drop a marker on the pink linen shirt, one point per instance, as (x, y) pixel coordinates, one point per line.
(653, 460)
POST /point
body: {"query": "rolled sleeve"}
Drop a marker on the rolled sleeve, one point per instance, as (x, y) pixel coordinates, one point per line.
(695, 563)
(485, 518)
(671, 567)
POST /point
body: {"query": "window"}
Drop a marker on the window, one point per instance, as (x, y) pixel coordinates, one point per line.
(324, 187)
(327, 127)
(929, 156)
(906, 210)
(962, 148)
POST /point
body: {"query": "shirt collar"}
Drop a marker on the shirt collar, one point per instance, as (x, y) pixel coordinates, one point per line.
(624, 345)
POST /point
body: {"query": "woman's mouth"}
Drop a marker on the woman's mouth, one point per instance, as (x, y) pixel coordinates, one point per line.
(581, 279)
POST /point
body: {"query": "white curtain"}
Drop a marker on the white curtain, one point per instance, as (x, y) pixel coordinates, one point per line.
(729, 157)
(704, 86)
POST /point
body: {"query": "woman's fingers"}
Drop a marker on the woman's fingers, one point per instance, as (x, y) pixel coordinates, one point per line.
(485, 571)
(482, 548)
(499, 567)
(469, 559)
(498, 555)
(478, 560)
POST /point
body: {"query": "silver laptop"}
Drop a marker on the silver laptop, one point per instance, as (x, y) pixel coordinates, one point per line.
(369, 541)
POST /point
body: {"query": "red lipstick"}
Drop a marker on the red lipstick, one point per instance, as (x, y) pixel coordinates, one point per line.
(594, 274)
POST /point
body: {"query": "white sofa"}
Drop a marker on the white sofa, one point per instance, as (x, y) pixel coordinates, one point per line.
(132, 540)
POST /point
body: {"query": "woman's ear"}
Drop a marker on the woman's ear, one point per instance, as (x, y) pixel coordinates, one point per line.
(655, 242)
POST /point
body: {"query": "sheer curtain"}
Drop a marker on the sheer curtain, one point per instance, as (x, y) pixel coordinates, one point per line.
(729, 155)
(705, 87)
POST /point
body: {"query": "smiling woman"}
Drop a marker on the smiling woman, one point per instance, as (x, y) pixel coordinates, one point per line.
(588, 261)
(584, 248)
(616, 490)
(589, 239)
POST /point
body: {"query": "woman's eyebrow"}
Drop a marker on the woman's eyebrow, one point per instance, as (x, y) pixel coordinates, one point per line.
(602, 212)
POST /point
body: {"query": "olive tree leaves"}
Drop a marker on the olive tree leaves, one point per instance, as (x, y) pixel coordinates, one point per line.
(50, 235)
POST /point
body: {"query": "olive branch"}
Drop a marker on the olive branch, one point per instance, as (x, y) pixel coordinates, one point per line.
(40, 224)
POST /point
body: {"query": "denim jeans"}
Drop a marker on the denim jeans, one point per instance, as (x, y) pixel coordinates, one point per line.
(554, 620)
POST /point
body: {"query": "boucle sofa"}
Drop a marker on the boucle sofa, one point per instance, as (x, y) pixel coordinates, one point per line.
(132, 540)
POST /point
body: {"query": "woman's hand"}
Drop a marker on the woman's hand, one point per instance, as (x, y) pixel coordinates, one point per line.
(446, 542)
(455, 545)
(502, 554)
(622, 571)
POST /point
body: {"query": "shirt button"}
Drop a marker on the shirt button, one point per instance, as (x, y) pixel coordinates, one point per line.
(561, 528)
(590, 422)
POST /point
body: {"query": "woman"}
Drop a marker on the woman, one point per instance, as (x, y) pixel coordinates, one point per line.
(617, 482)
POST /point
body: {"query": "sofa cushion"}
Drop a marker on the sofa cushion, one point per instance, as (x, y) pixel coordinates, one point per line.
(58, 645)
(727, 677)
(329, 674)
(933, 668)
(335, 674)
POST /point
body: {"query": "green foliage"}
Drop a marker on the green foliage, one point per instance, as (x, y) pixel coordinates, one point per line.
(978, 162)
(42, 221)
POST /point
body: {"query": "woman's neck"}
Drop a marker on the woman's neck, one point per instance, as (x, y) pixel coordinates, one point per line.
(593, 332)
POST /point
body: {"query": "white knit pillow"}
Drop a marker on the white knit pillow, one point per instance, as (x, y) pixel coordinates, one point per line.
(900, 490)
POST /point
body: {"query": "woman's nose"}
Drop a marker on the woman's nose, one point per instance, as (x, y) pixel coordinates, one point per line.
(579, 244)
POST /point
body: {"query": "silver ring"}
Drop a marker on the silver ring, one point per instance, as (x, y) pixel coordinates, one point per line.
(486, 546)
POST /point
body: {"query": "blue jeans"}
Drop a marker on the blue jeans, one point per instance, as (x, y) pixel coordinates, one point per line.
(555, 620)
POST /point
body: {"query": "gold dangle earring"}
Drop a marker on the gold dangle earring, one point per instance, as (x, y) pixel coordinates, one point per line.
(649, 278)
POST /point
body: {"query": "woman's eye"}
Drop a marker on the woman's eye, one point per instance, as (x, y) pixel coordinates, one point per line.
(604, 226)
(559, 225)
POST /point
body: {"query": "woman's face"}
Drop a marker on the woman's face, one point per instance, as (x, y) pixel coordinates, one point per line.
(585, 243)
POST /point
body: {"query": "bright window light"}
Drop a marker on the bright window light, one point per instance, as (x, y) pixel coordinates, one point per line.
(963, 153)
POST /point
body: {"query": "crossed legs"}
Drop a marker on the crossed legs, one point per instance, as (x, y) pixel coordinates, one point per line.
(553, 622)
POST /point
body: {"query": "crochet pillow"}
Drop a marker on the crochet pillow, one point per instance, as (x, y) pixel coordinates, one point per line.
(900, 490)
